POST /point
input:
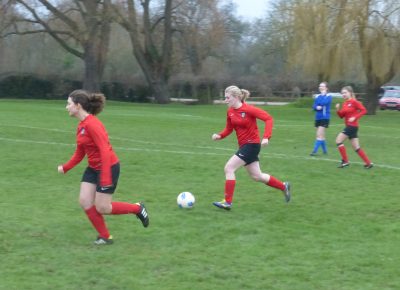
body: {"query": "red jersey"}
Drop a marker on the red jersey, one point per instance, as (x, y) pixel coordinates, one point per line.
(92, 140)
(244, 121)
(351, 108)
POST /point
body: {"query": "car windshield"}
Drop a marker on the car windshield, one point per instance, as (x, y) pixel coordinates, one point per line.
(391, 94)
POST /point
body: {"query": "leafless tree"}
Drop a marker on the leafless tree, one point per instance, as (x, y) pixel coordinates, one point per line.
(81, 27)
(150, 30)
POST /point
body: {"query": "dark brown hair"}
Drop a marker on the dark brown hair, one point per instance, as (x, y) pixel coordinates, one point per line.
(93, 103)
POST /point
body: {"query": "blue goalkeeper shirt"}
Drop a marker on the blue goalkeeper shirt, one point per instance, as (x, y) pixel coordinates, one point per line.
(324, 110)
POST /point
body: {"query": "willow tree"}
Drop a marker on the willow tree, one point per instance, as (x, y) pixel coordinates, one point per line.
(329, 38)
(318, 40)
(378, 37)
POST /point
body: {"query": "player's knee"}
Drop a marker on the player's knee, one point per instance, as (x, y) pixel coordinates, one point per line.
(338, 144)
(103, 208)
(85, 203)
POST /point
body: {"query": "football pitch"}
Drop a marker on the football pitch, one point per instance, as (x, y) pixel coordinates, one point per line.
(340, 231)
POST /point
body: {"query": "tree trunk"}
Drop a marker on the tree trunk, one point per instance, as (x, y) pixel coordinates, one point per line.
(371, 98)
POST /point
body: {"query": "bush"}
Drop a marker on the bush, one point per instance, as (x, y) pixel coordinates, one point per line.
(26, 86)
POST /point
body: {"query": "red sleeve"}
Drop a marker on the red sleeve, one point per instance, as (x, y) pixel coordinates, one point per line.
(340, 113)
(228, 128)
(361, 110)
(75, 159)
(100, 138)
(267, 118)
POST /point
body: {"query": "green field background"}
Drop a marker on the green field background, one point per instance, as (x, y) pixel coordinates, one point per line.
(340, 231)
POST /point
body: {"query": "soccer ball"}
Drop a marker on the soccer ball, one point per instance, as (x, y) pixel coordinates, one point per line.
(185, 200)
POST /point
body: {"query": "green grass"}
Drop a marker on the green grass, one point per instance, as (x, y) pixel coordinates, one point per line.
(341, 230)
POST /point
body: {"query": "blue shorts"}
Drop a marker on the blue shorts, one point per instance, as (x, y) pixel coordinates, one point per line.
(93, 176)
(249, 152)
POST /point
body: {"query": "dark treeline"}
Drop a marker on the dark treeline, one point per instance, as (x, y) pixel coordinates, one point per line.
(154, 50)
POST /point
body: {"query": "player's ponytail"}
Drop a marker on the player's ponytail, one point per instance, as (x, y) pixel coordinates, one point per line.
(245, 95)
(97, 101)
(93, 103)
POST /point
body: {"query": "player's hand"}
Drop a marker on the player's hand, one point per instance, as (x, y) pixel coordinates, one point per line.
(319, 108)
(337, 106)
(60, 169)
(352, 119)
(216, 137)
(264, 142)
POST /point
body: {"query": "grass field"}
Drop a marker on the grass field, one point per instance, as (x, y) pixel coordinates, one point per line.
(341, 230)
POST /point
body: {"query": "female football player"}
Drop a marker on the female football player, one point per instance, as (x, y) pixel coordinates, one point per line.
(322, 107)
(351, 111)
(242, 118)
(100, 178)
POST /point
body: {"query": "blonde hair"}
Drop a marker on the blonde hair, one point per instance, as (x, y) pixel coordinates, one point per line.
(350, 90)
(241, 94)
(93, 103)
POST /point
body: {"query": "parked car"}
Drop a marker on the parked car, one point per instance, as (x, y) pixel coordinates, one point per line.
(390, 100)
(387, 88)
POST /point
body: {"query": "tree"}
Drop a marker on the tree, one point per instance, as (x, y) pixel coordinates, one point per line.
(201, 30)
(151, 41)
(378, 37)
(330, 38)
(81, 27)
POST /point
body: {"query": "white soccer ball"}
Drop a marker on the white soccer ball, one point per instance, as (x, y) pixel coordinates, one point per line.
(185, 200)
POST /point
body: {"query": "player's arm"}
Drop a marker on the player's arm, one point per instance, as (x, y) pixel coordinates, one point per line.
(266, 118)
(75, 159)
(227, 131)
(361, 110)
(99, 137)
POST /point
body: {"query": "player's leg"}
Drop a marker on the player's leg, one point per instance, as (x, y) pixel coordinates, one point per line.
(355, 143)
(317, 142)
(254, 170)
(87, 201)
(321, 137)
(342, 149)
(231, 166)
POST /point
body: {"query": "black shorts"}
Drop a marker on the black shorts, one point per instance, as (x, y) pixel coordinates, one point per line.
(350, 131)
(93, 176)
(249, 152)
(322, 123)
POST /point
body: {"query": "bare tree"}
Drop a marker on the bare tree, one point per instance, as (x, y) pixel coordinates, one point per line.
(201, 29)
(81, 27)
(150, 31)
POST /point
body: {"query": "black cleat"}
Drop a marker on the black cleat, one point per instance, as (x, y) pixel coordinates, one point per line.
(313, 154)
(369, 166)
(104, 241)
(344, 164)
(143, 215)
(287, 192)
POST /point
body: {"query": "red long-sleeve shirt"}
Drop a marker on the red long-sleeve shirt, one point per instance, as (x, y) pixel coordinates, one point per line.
(92, 140)
(351, 108)
(244, 121)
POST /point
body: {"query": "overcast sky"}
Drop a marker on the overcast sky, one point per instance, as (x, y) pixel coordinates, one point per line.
(251, 8)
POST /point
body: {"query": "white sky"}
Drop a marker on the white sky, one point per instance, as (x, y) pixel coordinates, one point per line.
(251, 8)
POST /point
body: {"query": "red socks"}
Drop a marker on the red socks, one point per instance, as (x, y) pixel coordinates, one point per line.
(229, 189)
(124, 208)
(275, 183)
(98, 222)
(342, 151)
(363, 156)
